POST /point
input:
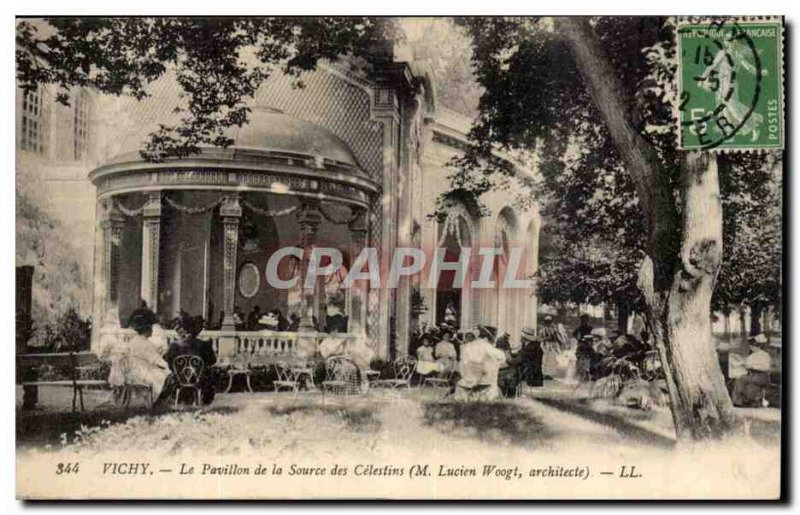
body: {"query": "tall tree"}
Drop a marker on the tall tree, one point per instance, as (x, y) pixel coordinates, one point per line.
(601, 86)
(219, 63)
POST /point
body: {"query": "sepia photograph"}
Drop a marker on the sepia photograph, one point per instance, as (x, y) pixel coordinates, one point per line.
(399, 258)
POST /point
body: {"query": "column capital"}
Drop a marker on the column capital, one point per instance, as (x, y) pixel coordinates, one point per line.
(112, 216)
(153, 207)
(230, 207)
(309, 218)
(359, 227)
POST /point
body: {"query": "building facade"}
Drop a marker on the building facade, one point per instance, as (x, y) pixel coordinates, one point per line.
(346, 161)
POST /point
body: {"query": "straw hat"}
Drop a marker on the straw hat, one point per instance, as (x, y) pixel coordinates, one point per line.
(529, 333)
(599, 331)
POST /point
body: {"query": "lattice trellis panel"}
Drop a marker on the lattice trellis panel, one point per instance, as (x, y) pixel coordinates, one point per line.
(331, 102)
(344, 109)
(375, 233)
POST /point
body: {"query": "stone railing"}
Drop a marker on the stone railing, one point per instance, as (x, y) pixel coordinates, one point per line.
(262, 345)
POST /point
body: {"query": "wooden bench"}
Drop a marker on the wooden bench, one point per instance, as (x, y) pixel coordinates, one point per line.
(72, 361)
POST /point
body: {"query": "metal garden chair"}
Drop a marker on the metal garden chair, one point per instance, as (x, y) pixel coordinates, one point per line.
(188, 370)
(287, 378)
(403, 368)
(342, 376)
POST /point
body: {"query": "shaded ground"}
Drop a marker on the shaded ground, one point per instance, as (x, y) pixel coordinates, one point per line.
(489, 422)
(416, 420)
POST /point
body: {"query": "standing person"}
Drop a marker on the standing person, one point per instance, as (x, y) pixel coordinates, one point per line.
(188, 343)
(584, 329)
(524, 367)
(552, 343)
(451, 315)
(550, 332)
(530, 359)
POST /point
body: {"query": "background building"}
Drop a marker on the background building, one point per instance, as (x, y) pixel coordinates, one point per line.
(387, 128)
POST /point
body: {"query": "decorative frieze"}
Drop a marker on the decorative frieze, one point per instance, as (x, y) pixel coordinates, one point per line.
(336, 189)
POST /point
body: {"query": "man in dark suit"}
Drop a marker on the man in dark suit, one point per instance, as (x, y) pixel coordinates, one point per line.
(189, 344)
(528, 362)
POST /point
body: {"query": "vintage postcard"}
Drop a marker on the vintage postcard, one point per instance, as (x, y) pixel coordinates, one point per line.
(399, 258)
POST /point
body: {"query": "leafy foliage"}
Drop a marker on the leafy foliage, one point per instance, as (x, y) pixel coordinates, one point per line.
(69, 331)
(219, 63)
(447, 51)
(594, 233)
(61, 284)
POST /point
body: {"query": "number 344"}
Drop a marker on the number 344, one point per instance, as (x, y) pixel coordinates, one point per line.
(67, 468)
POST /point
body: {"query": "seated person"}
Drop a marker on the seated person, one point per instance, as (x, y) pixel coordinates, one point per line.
(426, 364)
(142, 315)
(274, 321)
(445, 352)
(146, 365)
(187, 343)
(750, 374)
(336, 324)
(254, 319)
(503, 342)
(138, 361)
(294, 323)
(479, 367)
(361, 353)
(332, 345)
(239, 319)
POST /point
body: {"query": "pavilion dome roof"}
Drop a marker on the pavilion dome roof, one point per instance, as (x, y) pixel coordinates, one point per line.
(271, 148)
(271, 130)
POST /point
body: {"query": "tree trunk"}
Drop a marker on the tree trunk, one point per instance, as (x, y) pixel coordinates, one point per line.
(678, 274)
(623, 313)
(726, 322)
(703, 408)
(743, 335)
(756, 309)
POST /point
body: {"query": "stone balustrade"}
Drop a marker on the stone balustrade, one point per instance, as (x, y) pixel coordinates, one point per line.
(251, 346)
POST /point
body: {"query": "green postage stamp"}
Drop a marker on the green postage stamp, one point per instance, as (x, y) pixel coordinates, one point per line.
(730, 80)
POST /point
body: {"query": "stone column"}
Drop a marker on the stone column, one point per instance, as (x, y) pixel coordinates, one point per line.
(309, 219)
(358, 298)
(151, 249)
(231, 213)
(112, 241)
(386, 110)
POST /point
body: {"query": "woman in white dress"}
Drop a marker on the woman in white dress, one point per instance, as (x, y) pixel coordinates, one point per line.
(426, 363)
(138, 361)
(146, 365)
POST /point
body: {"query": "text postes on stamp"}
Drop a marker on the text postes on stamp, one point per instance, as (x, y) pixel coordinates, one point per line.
(731, 85)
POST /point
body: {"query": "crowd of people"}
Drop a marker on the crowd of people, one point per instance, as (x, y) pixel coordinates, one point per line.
(479, 364)
(484, 364)
(147, 359)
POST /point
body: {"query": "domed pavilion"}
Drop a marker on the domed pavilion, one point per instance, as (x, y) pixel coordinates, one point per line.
(194, 234)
